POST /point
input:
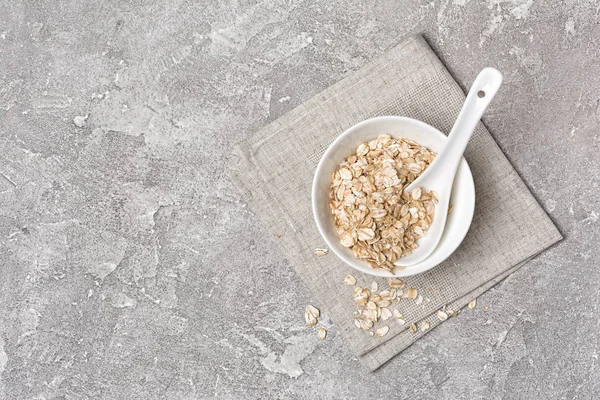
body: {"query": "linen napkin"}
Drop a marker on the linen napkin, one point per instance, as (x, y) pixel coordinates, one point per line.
(274, 168)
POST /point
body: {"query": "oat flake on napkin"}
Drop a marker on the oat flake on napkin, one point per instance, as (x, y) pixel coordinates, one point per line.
(274, 168)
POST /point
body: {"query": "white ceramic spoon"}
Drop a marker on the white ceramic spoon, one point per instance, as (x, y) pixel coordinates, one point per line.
(440, 174)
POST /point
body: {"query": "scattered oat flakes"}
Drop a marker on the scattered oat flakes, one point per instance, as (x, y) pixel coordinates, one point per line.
(313, 310)
(399, 317)
(374, 287)
(386, 314)
(373, 215)
(419, 300)
(485, 308)
(370, 315)
(382, 331)
(413, 328)
(425, 325)
(364, 324)
(322, 333)
(373, 307)
(350, 280)
(411, 293)
(472, 303)
(450, 209)
(361, 298)
(453, 313)
(396, 283)
(310, 319)
(278, 236)
(321, 252)
(442, 315)
(310, 315)
(384, 303)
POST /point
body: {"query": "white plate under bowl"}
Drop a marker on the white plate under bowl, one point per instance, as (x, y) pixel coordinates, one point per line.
(462, 198)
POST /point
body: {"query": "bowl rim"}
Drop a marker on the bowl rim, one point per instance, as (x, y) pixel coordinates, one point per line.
(409, 271)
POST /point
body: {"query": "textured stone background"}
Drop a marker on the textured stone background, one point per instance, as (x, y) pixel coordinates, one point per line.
(131, 269)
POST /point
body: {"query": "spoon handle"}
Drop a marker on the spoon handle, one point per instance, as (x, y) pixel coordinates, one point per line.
(481, 94)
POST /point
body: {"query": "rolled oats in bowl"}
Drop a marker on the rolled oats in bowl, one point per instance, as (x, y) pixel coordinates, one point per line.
(373, 216)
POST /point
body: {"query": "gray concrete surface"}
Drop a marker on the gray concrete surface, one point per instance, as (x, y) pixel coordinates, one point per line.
(131, 269)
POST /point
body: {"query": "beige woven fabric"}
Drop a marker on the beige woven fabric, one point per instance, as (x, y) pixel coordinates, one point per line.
(274, 170)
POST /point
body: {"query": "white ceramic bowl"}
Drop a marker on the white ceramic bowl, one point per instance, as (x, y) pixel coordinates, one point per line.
(462, 198)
